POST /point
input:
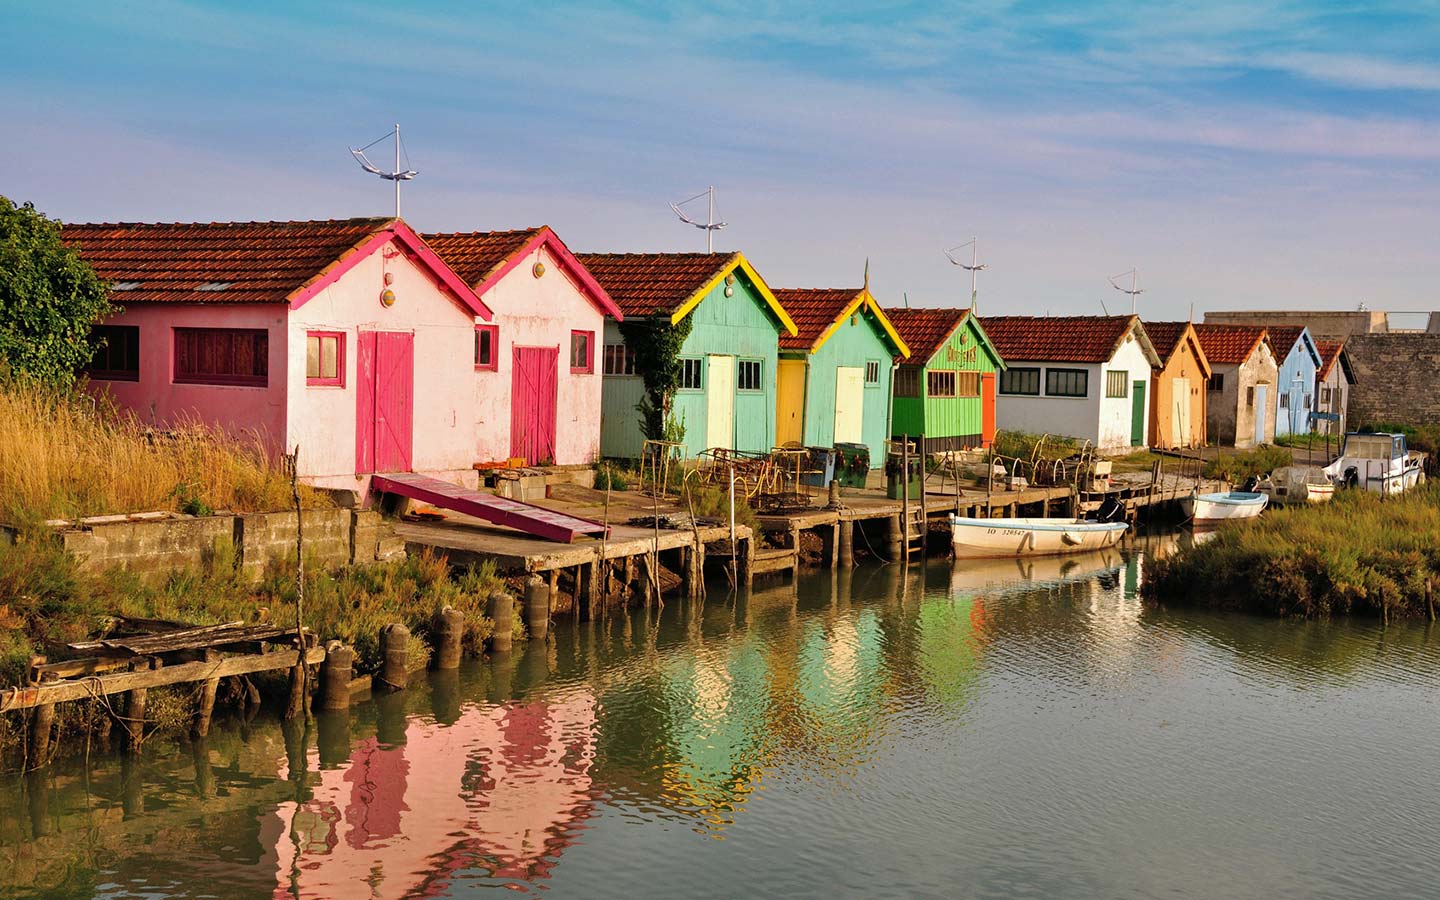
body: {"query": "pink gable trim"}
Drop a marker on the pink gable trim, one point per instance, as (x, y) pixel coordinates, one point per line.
(551, 241)
(399, 231)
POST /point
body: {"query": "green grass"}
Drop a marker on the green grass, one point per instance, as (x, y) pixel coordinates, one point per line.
(1359, 554)
(1238, 466)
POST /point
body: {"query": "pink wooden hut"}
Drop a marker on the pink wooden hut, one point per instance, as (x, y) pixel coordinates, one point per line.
(350, 339)
(538, 375)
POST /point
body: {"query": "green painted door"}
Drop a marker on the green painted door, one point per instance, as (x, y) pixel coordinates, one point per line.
(1137, 415)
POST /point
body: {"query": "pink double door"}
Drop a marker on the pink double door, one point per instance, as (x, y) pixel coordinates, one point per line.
(385, 402)
(532, 404)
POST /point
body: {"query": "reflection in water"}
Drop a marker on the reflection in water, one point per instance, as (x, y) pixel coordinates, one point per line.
(1015, 727)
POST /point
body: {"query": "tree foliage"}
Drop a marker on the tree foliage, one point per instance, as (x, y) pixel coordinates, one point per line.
(49, 298)
(657, 344)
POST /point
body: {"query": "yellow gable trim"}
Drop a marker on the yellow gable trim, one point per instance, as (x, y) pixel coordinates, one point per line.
(738, 261)
(865, 298)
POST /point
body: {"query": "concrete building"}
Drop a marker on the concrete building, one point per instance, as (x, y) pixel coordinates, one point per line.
(1087, 377)
(537, 362)
(350, 339)
(1240, 402)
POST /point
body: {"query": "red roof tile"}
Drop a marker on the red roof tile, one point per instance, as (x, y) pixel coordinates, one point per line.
(925, 330)
(1229, 344)
(1165, 336)
(644, 284)
(1079, 339)
(813, 310)
(1283, 338)
(215, 262)
(476, 254)
(1329, 355)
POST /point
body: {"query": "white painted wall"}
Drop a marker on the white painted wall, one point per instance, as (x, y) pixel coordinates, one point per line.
(1106, 421)
(322, 419)
(541, 312)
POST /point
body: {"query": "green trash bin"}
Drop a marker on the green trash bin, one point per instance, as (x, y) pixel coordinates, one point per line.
(897, 482)
(852, 464)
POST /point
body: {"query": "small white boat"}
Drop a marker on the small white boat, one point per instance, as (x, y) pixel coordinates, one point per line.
(1207, 510)
(991, 538)
(1380, 463)
(1297, 484)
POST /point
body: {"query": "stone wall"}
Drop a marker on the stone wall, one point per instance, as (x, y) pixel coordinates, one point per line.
(1322, 323)
(1397, 379)
(333, 537)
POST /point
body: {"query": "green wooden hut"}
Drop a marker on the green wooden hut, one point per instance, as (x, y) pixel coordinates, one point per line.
(727, 391)
(833, 382)
(946, 390)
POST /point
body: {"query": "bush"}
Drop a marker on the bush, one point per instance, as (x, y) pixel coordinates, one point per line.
(1360, 553)
(1021, 445)
(1238, 467)
(611, 477)
(711, 502)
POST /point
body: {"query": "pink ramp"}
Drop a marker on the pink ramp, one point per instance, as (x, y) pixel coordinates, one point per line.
(526, 517)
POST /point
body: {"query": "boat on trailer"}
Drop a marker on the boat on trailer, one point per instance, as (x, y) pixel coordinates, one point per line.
(995, 538)
(1209, 510)
(1297, 484)
(1379, 462)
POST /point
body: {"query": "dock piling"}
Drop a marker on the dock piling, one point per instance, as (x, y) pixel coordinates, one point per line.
(537, 608)
(501, 611)
(135, 718)
(845, 543)
(41, 725)
(449, 629)
(206, 710)
(394, 657)
(335, 674)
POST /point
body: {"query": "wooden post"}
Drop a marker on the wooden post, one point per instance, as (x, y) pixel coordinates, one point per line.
(905, 494)
(832, 553)
(892, 537)
(501, 611)
(41, 724)
(206, 710)
(845, 543)
(537, 608)
(335, 674)
(394, 657)
(135, 718)
(296, 705)
(449, 629)
(746, 562)
(924, 507)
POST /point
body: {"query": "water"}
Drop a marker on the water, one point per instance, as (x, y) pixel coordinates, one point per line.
(999, 731)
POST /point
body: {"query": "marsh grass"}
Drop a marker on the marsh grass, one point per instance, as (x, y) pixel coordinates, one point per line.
(1359, 554)
(1237, 467)
(67, 454)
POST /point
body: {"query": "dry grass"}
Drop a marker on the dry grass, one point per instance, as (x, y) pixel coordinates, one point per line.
(65, 455)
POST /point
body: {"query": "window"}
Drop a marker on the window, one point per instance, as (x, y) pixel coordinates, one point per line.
(749, 375)
(1067, 382)
(1020, 381)
(582, 361)
(1325, 395)
(239, 356)
(967, 384)
(872, 373)
(1285, 400)
(1216, 383)
(487, 347)
(691, 378)
(1250, 397)
(940, 384)
(1117, 383)
(1308, 401)
(325, 358)
(117, 353)
(619, 360)
(907, 381)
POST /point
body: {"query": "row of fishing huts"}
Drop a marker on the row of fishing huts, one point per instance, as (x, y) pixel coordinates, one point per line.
(377, 349)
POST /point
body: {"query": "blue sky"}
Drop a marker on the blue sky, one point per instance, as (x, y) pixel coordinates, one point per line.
(1255, 153)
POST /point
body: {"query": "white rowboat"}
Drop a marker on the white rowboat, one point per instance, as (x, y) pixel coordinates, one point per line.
(1212, 509)
(991, 538)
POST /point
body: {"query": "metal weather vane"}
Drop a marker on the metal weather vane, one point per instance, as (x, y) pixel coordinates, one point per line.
(975, 267)
(398, 174)
(709, 226)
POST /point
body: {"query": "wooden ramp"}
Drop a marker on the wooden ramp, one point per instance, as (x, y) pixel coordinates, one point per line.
(526, 517)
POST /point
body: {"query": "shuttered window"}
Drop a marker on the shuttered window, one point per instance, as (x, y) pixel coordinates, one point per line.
(1067, 382)
(1117, 384)
(234, 356)
(872, 373)
(117, 353)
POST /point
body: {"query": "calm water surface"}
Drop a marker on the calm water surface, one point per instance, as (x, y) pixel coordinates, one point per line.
(991, 731)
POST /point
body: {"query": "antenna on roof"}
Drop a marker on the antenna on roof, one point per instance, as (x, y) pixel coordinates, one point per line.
(1192, 310)
(398, 175)
(709, 226)
(975, 267)
(1103, 308)
(906, 295)
(1134, 291)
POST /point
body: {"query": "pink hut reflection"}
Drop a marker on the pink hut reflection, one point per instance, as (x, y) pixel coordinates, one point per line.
(503, 789)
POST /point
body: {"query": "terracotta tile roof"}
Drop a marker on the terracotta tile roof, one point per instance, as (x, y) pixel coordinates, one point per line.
(474, 255)
(813, 310)
(215, 262)
(1165, 336)
(1283, 338)
(926, 330)
(1079, 339)
(644, 284)
(1329, 355)
(1229, 344)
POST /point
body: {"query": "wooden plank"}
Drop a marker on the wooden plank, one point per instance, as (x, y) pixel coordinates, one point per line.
(71, 668)
(63, 691)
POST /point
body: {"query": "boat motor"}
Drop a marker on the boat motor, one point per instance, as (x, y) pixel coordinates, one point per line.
(1110, 510)
(1251, 484)
(1351, 478)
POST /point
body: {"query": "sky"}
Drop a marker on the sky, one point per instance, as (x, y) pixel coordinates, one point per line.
(1240, 153)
